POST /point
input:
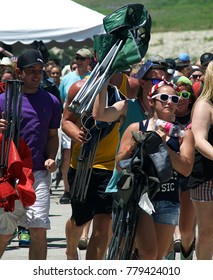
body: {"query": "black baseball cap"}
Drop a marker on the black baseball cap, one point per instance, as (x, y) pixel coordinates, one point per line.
(171, 65)
(29, 58)
(205, 59)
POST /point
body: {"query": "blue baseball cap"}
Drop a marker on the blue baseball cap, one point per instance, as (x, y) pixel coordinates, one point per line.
(153, 62)
(184, 57)
(144, 69)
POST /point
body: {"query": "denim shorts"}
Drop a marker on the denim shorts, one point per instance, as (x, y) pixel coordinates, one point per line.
(166, 212)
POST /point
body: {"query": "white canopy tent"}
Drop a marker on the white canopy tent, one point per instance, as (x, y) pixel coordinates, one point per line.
(58, 23)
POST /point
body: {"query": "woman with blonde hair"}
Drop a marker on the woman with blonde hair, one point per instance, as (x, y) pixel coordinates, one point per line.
(201, 178)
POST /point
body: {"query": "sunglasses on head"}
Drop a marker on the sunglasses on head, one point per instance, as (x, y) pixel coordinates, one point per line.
(164, 97)
(184, 94)
(77, 57)
(196, 76)
(153, 80)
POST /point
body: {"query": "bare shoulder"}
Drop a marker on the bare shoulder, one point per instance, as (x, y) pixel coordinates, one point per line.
(133, 82)
(134, 126)
(73, 90)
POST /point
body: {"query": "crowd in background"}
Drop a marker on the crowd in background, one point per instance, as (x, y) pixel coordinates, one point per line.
(189, 228)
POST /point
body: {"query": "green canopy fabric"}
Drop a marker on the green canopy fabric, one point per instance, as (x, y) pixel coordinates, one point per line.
(130, 24)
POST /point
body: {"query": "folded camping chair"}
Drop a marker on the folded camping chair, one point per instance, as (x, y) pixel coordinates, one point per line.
(16, 177)
(132, 184)
(126, 42)
(144, 172)
(95, 132)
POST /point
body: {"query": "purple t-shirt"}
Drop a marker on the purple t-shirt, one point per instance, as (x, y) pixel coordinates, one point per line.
(40, 112)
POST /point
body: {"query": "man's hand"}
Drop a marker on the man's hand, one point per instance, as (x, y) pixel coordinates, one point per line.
(81, 138)
(51, 165)
(3, 123)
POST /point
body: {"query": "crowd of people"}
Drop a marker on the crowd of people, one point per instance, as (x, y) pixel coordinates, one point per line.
(176, 91)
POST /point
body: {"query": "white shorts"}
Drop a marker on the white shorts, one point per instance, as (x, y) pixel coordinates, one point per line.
(9, 220)
(35, 216)
(65, 141)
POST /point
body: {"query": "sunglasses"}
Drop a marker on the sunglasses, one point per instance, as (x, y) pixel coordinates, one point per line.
(196, 76)
(160, 64)
(164, 97)
(31, 71)
(154, 81)
(184, 94)
(81, 58)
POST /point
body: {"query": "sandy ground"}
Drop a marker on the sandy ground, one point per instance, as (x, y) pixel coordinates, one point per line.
(170, 44)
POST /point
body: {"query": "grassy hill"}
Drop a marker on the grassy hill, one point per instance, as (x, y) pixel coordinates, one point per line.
(167, 15)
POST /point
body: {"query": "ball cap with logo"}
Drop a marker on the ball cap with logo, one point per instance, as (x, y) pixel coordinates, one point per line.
(84, 53)
(182, 60)
(205, 58)
(29, 58)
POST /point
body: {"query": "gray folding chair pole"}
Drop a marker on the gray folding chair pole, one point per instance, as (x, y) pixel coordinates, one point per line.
(8, 148)
(2, 166)
(115, 243)
(76, 187)
(80, 96)
(100, 67)
(17, 102)
(102, 80)
(83, 177)
(89, 169)
(12, 108)
(18, 121)
(6, 100)
(104, 77)
(100, 85)
(81, 93)
(125, 253)
(5, 133)
(111, 255)
(12, 102)
(14, 94)
(83, 173)
(90, 84)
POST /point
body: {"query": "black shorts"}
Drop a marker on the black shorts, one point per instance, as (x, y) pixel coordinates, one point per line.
(97, 201)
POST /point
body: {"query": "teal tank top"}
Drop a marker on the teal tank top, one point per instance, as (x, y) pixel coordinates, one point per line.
(135, 113)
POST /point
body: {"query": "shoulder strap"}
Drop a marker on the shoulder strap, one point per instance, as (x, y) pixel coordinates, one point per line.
(189, 125)
(143, 127)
